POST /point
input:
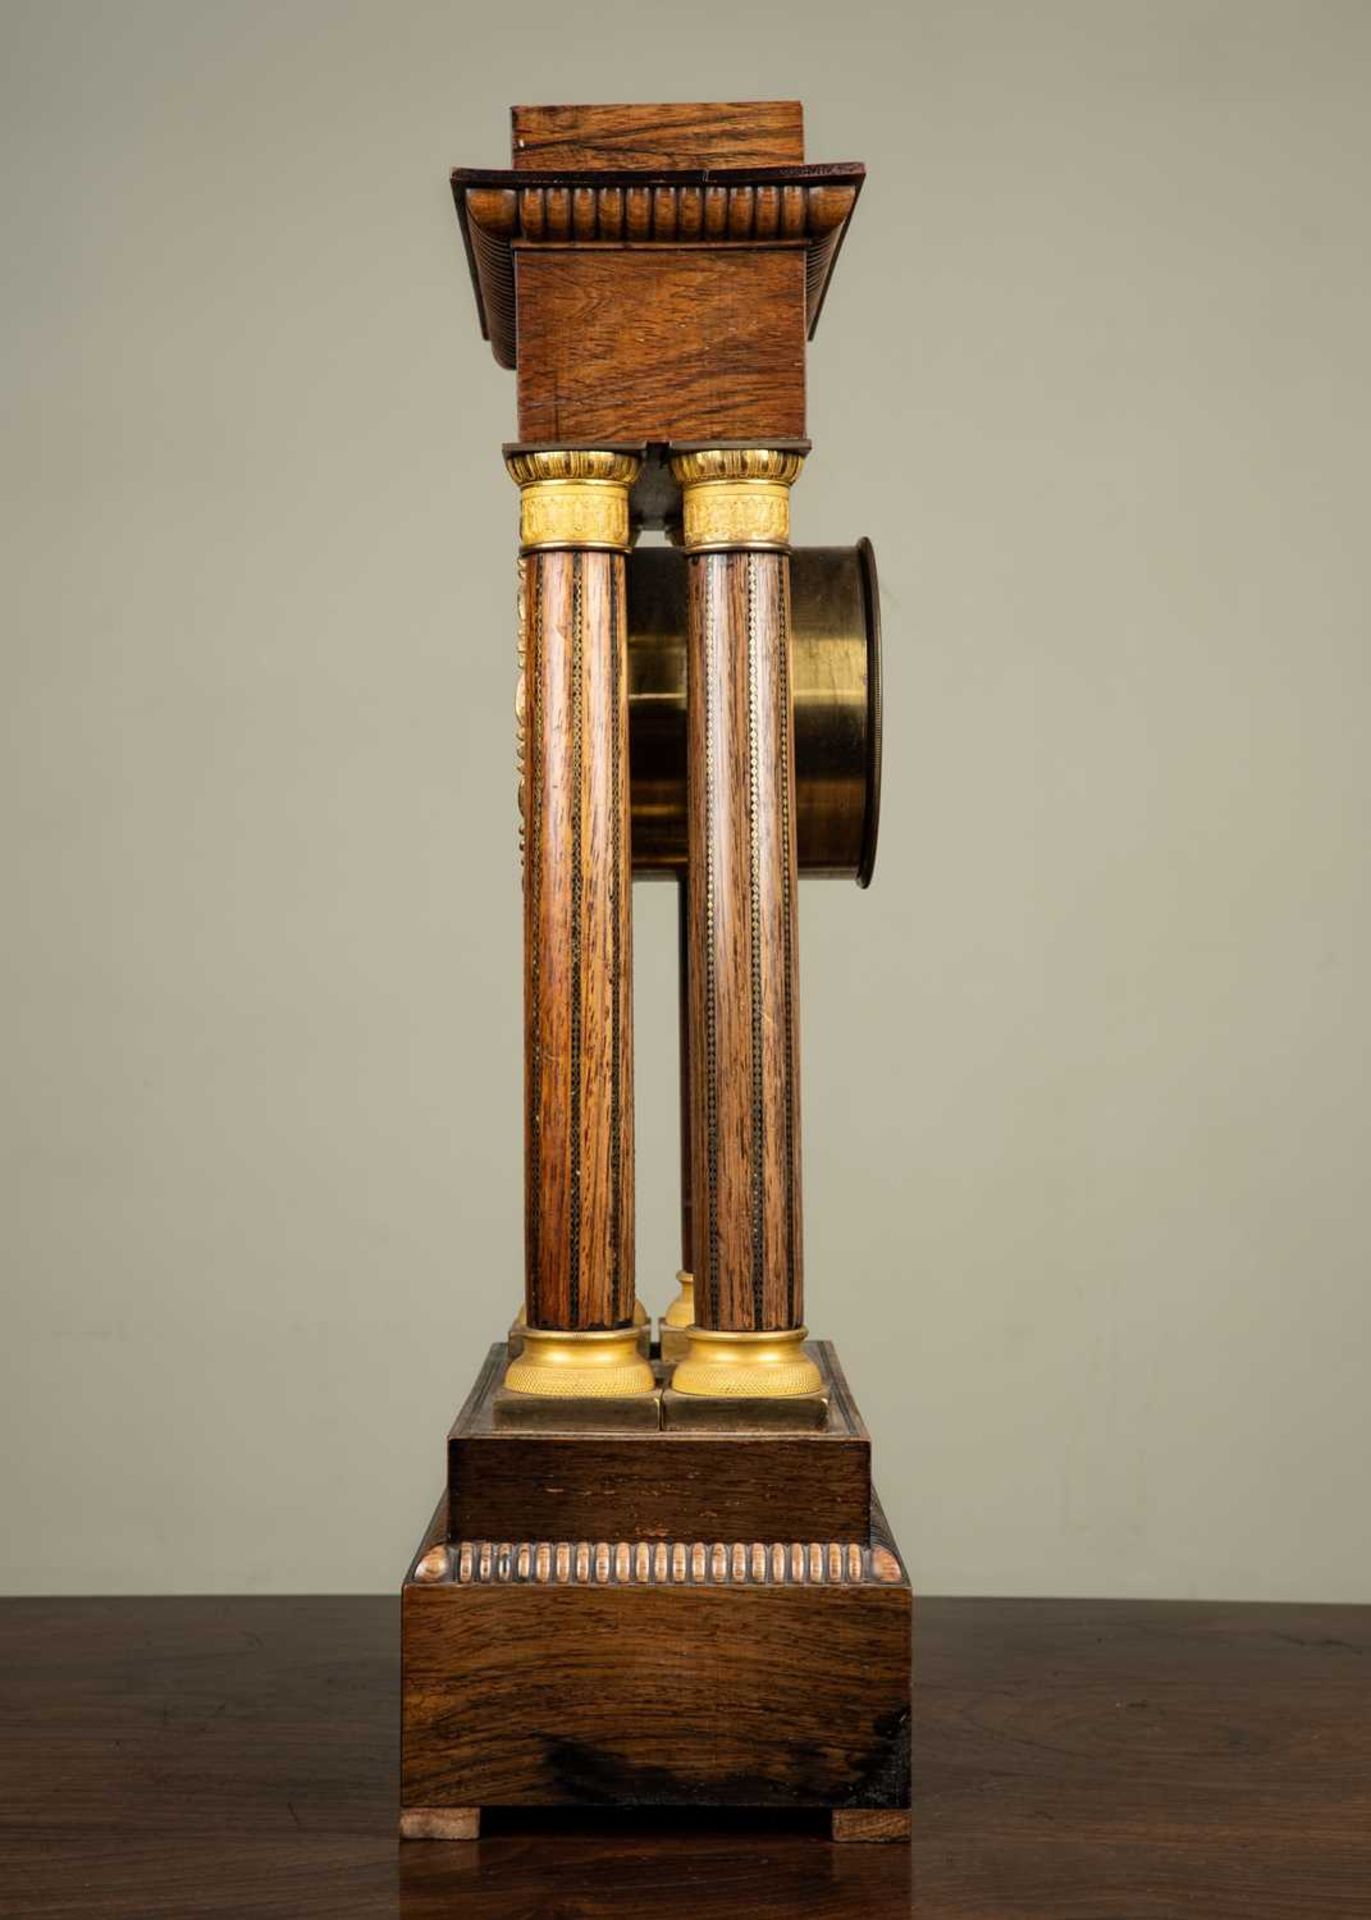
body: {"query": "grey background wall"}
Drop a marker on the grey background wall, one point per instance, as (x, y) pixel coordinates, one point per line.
(1086, 1098)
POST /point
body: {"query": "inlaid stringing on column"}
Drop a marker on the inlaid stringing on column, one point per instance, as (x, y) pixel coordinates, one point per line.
(711, 987)
(617, 589)
(785, 735)
(533, 881)
(577, 888)
(754, 782)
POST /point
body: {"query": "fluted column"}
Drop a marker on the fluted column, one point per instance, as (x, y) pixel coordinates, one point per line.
(744, 1072)
(578, 1030)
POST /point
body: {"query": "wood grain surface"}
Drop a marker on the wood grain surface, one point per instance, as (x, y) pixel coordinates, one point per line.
(1073, 1760)
(578, 1011)
(506, 1485)
(504, 213)
(720, 133)
(764, 1695)
(623, 343)
(744, 1071)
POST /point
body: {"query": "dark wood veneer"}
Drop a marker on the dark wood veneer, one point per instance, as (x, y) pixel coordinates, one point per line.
(807, 207)
(718, 133)
(756, 1693)
(649, 343)
(636, 1484)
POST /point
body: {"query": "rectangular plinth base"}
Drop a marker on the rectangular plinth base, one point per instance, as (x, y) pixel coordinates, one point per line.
(620, 1673)
(659, 1467)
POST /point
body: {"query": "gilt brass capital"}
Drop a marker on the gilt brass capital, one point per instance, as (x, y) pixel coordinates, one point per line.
(573, 498)
(736, 497)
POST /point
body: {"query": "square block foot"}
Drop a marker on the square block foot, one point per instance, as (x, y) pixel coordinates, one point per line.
(883, 1824)
(440, 1823)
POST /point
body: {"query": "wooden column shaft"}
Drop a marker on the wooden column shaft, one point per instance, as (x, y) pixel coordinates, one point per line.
(743, 978)
(578, 1029)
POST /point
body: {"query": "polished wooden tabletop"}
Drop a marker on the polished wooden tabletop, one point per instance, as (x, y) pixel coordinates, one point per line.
(1088, 1759)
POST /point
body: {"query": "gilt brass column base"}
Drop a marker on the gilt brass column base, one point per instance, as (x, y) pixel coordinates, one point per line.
(606, 1365)
(678, 1319)
(750, 1366)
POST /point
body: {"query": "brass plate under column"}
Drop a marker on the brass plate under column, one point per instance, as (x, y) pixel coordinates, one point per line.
(536, 1413)
(744, 1413)
(600, 1365)
(751, 1366)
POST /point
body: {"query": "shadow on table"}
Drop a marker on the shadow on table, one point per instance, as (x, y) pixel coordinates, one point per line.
(578, 1866)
